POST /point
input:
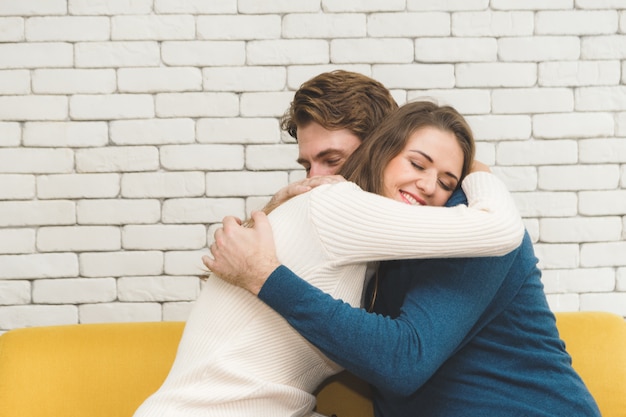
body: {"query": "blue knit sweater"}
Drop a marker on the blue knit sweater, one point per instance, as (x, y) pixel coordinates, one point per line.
(451, 337)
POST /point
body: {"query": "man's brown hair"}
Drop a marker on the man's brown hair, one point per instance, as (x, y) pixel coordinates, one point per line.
(339, 100)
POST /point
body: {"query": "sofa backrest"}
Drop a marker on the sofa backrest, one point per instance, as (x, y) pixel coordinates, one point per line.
(108, 370)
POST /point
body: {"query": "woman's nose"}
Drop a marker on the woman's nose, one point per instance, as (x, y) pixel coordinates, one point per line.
(427, 183)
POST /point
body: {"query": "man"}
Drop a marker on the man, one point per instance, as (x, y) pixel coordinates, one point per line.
(451, 337)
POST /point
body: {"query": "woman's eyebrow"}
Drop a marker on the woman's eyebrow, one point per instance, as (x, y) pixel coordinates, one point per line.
(425, 155)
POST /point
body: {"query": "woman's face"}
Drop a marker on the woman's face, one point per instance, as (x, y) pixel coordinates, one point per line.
(427, 170)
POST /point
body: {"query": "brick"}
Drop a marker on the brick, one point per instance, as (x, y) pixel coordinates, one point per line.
(496, 74)
(531, 4)
(184, 262)
(579, 177)
(611, 98)
(338, 6)
(576, 22)
(238, 130)
(239, 27)
(620, 122)
(486, 153)
(456, 50)
(67, 28)
(610, 302)
(117, 54)
(202, 157)
(277, 6)
(603, 47)
(448, 5)
(34, 213)
(74, 291)
(11, 29)
(539, 48)
(324, 26)
(159, 289)
(14, 317)
(272, 157)
(36, 55)
(113, 106)
(621, 279)
(11, 133)
(65, 134)
(465, 101)
(152, 132)
(580, 229)
(111, 211)
(117, 159)
(298, 74)
(14, 292)
(602, 150)
(500, 127)
(546, 204)
(201, 210)
(119, 312)
(14, 81)
(532, 100)
(492, 23)
(153, 80)
(237, 184)
(287, 52)
(163, 237)
(78, 186)
(36, 161)
(162, 185)
(24, 108)
(197, 105)
(117, 264)
(563, 302)
(557, 256)
(415, 76)
(579, 73)
(78, 238)
(153, 27)
(517, 178)
(603, 254)
(244, 79)
(15, 241)
(383, 51)
(73, 81)
(265, 104)
(177, 311)
(573, 125)
(109, 7)
(600, 4)
(203, 53)
(255, 203)
(602, 203)
(579, 280)
(33, 7)
(33, 266)
(537, 152)
(196, 6)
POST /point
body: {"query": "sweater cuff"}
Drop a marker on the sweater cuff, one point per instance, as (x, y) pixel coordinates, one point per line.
(282, 290)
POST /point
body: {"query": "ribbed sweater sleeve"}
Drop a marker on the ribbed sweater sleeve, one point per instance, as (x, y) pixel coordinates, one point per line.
(359, 227)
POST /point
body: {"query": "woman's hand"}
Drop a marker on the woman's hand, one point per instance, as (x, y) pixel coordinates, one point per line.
(302, 186)
(478, 166)
(243, 256)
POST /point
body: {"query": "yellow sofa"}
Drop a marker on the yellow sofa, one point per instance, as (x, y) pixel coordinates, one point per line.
(107, 370)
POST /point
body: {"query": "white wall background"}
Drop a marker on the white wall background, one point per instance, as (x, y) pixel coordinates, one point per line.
(128, 128)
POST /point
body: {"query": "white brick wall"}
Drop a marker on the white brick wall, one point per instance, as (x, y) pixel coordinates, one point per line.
(129, 129)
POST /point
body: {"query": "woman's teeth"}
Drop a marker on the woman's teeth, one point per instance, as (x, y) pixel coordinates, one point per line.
(409, 198)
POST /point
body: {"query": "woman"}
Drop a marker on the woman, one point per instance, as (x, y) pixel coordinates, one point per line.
(237, 357)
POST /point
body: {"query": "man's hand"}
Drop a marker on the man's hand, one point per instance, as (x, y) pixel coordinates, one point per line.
(302, 186)
(243, 256)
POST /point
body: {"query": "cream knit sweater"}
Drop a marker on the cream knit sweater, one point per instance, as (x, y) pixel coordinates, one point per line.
(237, 357)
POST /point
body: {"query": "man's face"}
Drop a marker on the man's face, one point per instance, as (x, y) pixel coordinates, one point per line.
(322, 151)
